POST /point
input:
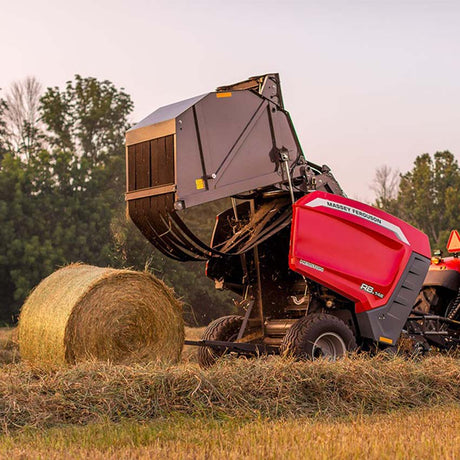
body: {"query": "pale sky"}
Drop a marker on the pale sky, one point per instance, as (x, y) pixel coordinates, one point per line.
(367, 83)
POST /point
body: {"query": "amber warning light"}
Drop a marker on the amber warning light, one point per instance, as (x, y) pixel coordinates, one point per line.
(454, 242)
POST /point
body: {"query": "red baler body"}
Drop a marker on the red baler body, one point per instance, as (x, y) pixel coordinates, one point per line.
(354, 249)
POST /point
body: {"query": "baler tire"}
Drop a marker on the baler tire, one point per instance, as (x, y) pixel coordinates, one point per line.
(223, 329)
(303, 339)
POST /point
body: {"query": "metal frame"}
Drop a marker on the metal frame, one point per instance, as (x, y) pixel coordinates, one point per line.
(257, 348)
(433, 333)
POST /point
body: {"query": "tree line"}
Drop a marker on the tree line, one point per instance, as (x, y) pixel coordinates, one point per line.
(427, 196)
(62, 183)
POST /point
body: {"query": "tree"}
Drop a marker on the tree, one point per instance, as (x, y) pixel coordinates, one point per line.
(21, 116)
(65, 203)
(56, 205)
(88, 118)
(428, 196)
(385, 186)
(3, 136)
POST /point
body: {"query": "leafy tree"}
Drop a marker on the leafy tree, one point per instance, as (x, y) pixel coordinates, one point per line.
(88, 118)
(86, 123)
(428, 196)
(56, 206)
(3, 136)
(63, 201)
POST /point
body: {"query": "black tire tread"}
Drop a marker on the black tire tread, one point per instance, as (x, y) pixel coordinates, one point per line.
(220, 329)
(293, 341)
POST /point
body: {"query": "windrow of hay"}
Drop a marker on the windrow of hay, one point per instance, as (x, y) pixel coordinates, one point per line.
(82, 312)
(249, 389)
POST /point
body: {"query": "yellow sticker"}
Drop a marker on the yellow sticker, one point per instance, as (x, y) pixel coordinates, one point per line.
(223, 95)
(385, 340)
(199, 184)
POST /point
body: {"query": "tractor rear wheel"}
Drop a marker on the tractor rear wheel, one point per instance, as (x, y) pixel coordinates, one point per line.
(426, 301)
(223, 329)
(318, 335)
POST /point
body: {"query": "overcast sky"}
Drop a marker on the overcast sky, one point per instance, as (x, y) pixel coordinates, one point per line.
(367, 83)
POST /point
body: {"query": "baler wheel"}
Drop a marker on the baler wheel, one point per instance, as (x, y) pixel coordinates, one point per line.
(318, 336)
(223, 329)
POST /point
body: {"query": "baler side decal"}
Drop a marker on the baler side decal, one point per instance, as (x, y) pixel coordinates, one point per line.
(371, 290)
(317, 202)
(311, 265)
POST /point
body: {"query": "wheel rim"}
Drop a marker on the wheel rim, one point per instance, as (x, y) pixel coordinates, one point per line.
(329, 345)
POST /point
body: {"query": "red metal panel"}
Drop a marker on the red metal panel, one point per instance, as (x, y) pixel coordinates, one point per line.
(447, 263)
(352, 248)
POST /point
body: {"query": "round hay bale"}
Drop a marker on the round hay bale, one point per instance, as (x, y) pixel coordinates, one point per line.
(81, 312)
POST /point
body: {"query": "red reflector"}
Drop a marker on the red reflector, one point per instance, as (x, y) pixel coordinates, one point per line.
(454, 242)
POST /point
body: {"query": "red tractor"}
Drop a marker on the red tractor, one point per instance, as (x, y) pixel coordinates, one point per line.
(436, 314)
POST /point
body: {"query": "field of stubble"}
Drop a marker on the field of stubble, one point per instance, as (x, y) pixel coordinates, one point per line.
(382, 407)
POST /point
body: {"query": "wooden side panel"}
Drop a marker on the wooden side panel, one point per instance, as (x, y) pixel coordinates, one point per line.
(156, 150)
(151, 163)
(131, 168)
(142, 165)
(162, 160)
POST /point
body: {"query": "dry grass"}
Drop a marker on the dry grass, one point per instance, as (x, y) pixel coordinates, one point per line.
(270, 408)
(9, 348)
(194, 333)
(9, 351)
(82, 312)
(271, 387)
(417, 434)
(189, 352)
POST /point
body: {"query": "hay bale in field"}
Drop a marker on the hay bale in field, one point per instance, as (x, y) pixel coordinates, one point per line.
(83, 312)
